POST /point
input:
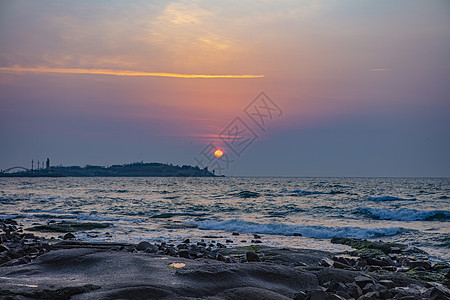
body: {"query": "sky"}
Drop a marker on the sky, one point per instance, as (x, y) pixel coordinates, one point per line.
(284, 88)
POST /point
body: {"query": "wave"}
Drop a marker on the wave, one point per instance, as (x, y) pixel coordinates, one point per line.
(9, 216)
(64, 215)
(247, 194)
(390, 198)
(171, 215)
(97, 218)
(304, 193)
(320, 232)
(405, 214)
(53, 211)
(6, 199)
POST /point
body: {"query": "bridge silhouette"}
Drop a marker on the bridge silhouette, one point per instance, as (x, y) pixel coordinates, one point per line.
(15, 168)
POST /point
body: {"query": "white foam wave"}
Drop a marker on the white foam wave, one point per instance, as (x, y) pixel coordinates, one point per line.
(405, 214)
(320, 232)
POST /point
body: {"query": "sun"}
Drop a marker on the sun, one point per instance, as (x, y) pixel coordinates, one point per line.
(218, 153)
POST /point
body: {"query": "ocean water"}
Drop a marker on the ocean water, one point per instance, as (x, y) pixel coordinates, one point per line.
(415, 211)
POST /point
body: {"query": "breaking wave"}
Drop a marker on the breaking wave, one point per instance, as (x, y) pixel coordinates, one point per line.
(405, 214)
(320, 232)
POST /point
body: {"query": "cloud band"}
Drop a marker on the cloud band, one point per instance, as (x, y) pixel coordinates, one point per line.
(119, 73)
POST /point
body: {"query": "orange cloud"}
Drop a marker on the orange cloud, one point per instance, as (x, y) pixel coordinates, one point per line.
(120, 72)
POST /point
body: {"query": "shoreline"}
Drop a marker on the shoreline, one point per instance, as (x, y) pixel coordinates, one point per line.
(68, 268)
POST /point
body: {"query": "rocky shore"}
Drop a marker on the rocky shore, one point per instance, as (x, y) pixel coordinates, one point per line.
(32, 267)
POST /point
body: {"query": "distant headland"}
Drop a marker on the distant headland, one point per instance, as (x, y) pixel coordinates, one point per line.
(139, 169)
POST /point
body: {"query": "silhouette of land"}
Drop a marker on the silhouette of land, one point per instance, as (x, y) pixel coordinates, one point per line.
(125, 170)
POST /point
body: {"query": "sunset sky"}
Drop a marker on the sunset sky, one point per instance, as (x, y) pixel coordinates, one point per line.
(362, 87)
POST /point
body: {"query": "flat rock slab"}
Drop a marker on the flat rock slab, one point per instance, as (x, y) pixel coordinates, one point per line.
(65, 227)
(104, 274)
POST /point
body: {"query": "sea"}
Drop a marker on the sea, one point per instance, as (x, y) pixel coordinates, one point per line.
(284, 212)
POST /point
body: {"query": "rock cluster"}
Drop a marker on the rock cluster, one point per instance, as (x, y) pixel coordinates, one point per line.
(363, 287)
(194, 250)
(366, 287)
(18, 248)
(375, 270)
(379, 256)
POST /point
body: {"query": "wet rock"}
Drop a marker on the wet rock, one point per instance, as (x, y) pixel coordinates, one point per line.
(361, 263)
(341, 260)
(370, 287)
(343, 294)
(439, 290)
(409, 291)
(298, 264)
(251, 256)
(373, 268)
(419, 264)
(317, 295)
(187, 241)
(68, 226)
(142, 246)
(219, 245)
(220, 257)
(256, 236)
(362, 281)
(334, 286)
(256, 242)
(396, 249)
(171, 251)
(249, 293)
(229, 259)
(339, 265)
(371, 295)
(235, 233)
(297, 234)
(387, 283)
(182, 246)
(376, 262)
(17, 261)
(68, 236)
(326, 262)
(300, 296)
(354, 290)
(409, 297)
(384, 293)
(389, 261)
(183, 253)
